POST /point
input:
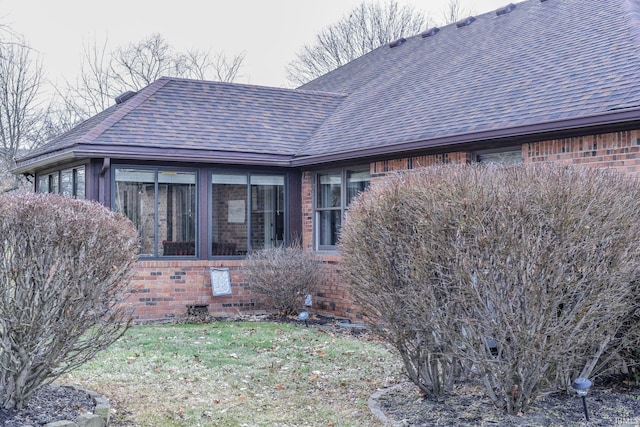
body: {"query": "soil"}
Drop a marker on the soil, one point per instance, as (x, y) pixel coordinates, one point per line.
(612, 405)
(49, 404)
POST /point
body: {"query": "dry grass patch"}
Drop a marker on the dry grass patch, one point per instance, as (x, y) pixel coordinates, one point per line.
(239, 374)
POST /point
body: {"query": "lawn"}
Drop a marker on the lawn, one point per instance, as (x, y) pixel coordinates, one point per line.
(240, 374)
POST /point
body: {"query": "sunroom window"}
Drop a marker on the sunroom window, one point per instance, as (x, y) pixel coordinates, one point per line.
(247, 212)
(334, 192)
(68, 182)
(161, 204)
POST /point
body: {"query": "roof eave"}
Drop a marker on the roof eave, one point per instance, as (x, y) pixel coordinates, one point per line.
(559, 128)
(31, 167)
(185, 155)
(84, 151)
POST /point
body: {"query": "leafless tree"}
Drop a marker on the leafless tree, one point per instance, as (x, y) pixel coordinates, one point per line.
(454, 11)
(203, 65)
(366, 27)
(106, 74)
(93, 90)
(140, 64)
(21, 113)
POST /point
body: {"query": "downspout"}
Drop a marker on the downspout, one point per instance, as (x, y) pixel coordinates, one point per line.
(106, 164)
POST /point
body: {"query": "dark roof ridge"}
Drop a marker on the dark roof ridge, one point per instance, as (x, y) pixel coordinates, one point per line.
(410, 40)
(249, 85)
(322, 92)
(122, 111)
(455, 25)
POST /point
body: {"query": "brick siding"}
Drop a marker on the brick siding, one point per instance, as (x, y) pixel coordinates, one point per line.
(166, 287)
(617, 151)
(163, 289)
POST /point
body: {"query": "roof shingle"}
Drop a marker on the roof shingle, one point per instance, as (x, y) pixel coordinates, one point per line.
(545, 65)
(543, 62)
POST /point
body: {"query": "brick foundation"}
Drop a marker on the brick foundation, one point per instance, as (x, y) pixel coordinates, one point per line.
(165, 288)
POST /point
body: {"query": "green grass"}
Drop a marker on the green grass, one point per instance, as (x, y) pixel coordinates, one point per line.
(240, 374)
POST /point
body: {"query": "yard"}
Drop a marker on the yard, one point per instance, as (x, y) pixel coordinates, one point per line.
(239, 374)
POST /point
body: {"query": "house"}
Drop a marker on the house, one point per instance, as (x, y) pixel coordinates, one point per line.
(209, 171)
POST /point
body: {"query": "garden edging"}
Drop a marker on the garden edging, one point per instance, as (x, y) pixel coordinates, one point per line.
(99, 417)
(375, 409)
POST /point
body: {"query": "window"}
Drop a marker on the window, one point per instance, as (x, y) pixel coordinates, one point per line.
(334, 192)
(162, 205)
(247, 212)
(68, 182)
(505, 156)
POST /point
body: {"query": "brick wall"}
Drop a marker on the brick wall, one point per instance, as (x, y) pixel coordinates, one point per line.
(617, 150)
(165, 288)
(381, 168)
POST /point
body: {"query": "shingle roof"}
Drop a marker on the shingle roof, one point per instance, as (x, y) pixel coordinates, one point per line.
(545, 66)
(179, 116)
(543, 62)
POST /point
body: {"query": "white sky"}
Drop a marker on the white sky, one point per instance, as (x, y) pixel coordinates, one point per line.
(270, 32)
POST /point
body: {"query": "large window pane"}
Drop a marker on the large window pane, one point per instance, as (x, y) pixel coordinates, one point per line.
(162, 205)
(135, 198)
(229, 230)
(267, 211)
(328, 227)
(329, 191)
(54, 183)
(66, 182)
(176, 213)
(43, 184)
(80, 183)
(357, 182)
(247, 212)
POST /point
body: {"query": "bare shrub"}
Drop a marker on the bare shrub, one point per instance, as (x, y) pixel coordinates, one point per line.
(64, 267)
(525, 272)
(283, 276)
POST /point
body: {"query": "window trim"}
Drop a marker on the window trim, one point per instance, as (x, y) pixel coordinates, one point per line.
(58, 174)
(344, 205)
(247, 174)
(476, 156)
(156, 170)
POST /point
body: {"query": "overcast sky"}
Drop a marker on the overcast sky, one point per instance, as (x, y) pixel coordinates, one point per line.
(270, 32)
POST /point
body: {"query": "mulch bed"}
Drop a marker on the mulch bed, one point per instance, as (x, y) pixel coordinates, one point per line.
(49, 404)
(612, 405)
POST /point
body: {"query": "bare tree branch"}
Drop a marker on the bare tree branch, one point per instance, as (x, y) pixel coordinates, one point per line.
(366, 27)
(21, 78)
(105, 75)
(454, 12)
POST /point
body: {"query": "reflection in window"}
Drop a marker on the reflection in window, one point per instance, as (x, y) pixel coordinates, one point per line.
(68, 182)
(331, 202)
(267, 211)
(247, 213)
(162, 206)
(329, 208)
(43, 184)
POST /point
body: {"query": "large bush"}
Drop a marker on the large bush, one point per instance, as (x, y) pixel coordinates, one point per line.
(283, 276)
(525, 273)
(64, 267)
